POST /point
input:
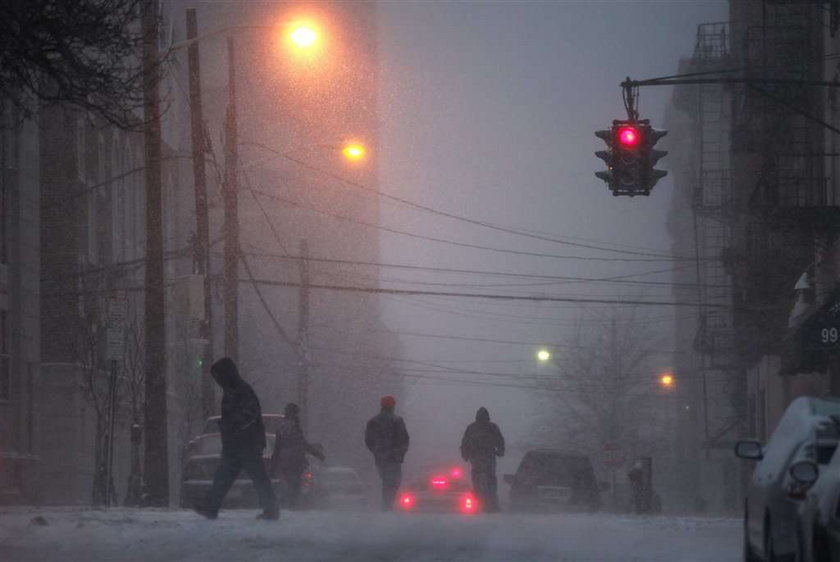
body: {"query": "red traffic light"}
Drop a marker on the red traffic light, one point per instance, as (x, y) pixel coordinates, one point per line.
(628, 136)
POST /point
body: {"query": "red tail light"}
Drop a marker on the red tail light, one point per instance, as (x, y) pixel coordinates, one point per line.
(457, 472)
(469, 504)
(406, 501)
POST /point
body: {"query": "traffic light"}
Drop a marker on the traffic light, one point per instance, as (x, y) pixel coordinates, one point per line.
(630, 157)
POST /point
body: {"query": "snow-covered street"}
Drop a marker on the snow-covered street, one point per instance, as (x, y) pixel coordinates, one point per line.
(68, 535)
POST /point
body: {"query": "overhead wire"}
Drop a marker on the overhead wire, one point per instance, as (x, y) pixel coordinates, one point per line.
(456, 243)
(453, 216)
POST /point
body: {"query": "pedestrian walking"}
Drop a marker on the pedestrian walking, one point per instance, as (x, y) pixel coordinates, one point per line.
(481, 444)
(289, 458)
(387, 439)
(243, 441)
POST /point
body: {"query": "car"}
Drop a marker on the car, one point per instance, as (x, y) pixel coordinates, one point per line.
(805, 434)
(815, 485)
(201, 458)
(439, 491)
(341, 488)
(554, 480)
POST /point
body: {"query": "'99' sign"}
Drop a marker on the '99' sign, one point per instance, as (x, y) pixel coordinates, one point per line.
(829, 335)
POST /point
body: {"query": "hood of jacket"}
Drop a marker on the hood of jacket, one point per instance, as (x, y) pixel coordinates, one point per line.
(482, 415)
(225, 373)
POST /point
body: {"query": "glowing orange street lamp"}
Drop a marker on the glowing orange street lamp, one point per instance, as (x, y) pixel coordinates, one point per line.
(303, 36)
(667, 380)
(353, 151)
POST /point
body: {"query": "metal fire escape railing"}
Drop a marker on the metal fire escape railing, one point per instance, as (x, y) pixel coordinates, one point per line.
(713, 194)
(791, 190)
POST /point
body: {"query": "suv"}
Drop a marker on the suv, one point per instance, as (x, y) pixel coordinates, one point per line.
(552, 479)
(201, 458)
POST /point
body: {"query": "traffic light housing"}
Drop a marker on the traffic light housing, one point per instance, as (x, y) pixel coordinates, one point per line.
(630, 157)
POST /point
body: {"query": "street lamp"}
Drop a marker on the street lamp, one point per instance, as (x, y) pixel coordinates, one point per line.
(543, 356)
(354, 152)
(667, 380)
(303, 36)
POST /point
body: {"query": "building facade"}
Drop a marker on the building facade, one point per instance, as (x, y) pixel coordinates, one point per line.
(19, 306)
(757, 203)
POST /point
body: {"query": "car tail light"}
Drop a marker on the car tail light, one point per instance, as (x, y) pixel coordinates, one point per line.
(406, 501)
(457, 473)
(439, 483)
(307, 478)
(469, 504)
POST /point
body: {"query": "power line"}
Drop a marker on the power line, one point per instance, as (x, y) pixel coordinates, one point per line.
(486, 340)
(622, 279)
(475, 222)
(531, 298)
(459, 244)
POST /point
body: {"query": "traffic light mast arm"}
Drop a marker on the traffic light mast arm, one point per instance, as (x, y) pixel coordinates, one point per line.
(630, 91)
(676, 81)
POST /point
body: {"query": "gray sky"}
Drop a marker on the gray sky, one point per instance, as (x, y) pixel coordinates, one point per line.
(488, 111)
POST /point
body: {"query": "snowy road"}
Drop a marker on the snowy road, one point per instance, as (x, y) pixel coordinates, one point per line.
(117, 535)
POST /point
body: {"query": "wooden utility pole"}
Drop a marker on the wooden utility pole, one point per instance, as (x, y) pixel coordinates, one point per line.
(231, 227)
(155, 460)
(202, 221)
(303, 336)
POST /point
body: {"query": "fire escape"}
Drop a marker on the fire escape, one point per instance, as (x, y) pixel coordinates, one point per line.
(713, 224)
(790, 198)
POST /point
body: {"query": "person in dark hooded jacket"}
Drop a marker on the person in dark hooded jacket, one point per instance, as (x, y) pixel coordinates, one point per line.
(290, 449)
(387, 438)
(482, 443)
(243, 441)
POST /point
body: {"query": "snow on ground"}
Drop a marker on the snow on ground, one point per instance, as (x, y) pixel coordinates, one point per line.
(153, 535)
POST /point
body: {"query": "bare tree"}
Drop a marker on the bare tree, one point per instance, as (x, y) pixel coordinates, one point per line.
(85, 53)
(87, 347)
(606, 384)
(134, 375)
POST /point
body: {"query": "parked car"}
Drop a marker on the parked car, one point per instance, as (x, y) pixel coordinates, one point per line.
(341, 488)
(817, 478)
(202, 455)
(805, 434)
(549, 479)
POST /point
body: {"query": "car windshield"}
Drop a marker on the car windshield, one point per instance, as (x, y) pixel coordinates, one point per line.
(211, 444)
(270, 421)
(554, 469)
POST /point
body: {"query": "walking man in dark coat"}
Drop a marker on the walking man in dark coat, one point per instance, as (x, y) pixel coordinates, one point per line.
(387, 438)
(289, 458)
(482, 443)
(243, 441)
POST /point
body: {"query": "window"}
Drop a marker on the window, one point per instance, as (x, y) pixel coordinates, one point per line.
(5, 359)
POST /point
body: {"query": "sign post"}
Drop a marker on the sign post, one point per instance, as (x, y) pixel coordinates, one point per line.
(115, 340)
(614, 457)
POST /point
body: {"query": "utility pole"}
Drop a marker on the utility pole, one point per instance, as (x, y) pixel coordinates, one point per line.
(155, 460)
(202, 222)
(303, 335)
(231, 227)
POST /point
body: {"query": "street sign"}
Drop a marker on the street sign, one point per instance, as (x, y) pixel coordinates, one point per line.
(115, 337)
(613, 455)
